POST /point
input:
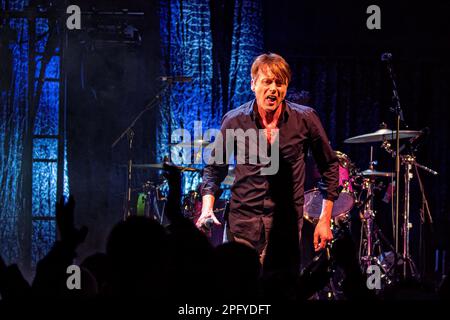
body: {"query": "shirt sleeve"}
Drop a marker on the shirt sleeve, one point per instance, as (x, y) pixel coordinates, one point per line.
(215, 173)
(325, 157)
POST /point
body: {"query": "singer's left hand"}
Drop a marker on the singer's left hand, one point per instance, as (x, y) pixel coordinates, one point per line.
(322, 234)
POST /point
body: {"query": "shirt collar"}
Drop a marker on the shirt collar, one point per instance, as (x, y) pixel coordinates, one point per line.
(252, 110)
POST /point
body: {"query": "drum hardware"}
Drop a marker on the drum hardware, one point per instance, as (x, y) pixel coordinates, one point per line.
(371, 250)
(192, 205)
(195, 143)
(375, 173)
(382, 135)
(148, 201)
(197, 146)
(385, 135)
(151, 196)
(409, 161)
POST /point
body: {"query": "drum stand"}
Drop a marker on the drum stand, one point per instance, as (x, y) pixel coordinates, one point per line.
(370, 249)
(367, 216)
(408, 264)
(152, 196)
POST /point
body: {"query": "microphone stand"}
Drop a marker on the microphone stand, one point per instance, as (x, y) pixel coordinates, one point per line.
(425, 209)
(129, 132)
(399, 118)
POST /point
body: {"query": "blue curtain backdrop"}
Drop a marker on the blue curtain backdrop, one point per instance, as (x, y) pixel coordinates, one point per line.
(199, 40)
(13, 126)
(18, 245)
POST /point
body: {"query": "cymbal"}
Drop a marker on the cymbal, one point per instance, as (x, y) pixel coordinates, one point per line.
(381, 135)
(374, 173)
(194, 143)
(160, 166)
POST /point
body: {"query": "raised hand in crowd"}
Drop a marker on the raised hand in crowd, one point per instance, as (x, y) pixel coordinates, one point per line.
(68, 233)
(51, 271)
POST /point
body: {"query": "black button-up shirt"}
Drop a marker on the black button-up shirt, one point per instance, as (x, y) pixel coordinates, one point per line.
(253, 194)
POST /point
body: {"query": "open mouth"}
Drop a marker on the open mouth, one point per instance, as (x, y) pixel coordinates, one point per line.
(271, 99)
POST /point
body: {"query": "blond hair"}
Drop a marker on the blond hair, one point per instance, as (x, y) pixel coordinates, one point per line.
(276, 63)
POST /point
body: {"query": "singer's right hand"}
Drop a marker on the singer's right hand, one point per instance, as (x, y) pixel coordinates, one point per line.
(206, 214)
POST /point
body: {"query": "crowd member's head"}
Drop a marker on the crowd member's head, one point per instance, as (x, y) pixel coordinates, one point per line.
(138, 251)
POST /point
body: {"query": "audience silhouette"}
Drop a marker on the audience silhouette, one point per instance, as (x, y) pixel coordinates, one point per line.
(144, 259)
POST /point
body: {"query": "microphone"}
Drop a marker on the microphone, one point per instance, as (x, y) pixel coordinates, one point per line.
(208, 223)
(171, 79)
(387, 56)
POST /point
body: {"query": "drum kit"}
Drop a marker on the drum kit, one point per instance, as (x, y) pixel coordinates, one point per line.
(357, 194)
